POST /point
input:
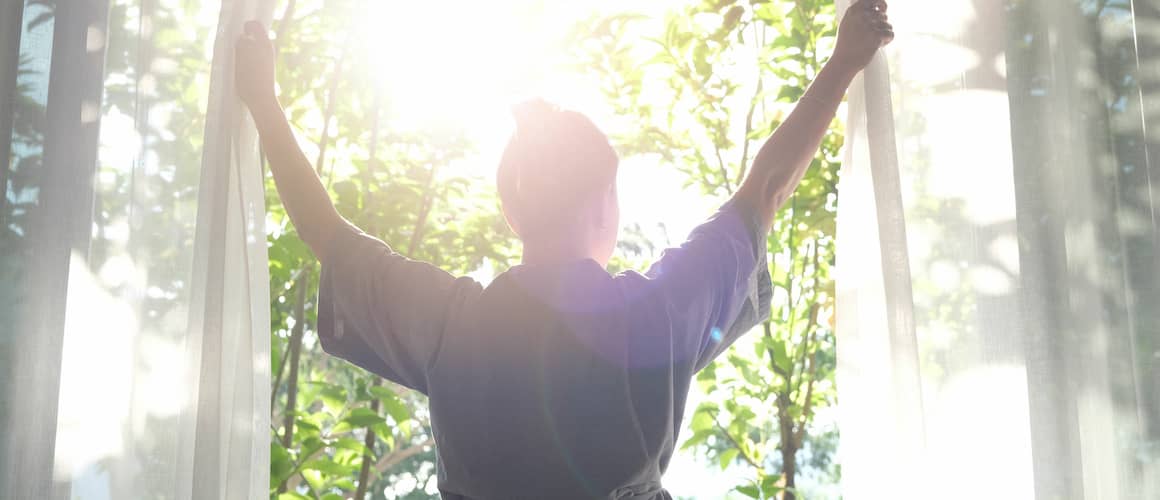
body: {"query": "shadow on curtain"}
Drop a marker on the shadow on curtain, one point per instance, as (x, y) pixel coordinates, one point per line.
(133, 285)
(1016, 351)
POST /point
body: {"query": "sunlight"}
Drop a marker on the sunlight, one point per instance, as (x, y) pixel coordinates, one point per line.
(464, 63)
(460, 65)
(450, 60)
(96, 374)
(952, 407)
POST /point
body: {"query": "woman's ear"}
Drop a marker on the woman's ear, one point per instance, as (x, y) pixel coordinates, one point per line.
(609, 212)
(511, 221)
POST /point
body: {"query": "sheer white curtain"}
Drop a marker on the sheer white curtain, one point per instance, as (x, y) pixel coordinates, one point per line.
(999, 255)
(135, 332)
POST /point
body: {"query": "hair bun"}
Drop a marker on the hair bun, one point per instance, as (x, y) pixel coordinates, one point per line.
(556, 160)
(533, 114)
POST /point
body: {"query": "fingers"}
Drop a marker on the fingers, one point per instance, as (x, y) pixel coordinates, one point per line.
(887, 37)
(871, 5)
(875, 16)
(886, 31)
(875, 13)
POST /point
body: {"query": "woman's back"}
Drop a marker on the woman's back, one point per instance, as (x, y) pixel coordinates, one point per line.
(533, 391)
(555, 381)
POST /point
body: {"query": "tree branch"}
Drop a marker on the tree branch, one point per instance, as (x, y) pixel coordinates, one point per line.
(807, 407)
(721, 166)
(812, 315)
(748, 130)
(772, 359)
(740, 449)
(392, 459)
(281, 365)
(373, 147)
(369, 442)
(295, 353)
(810, 376)
(296, 478)
(331, 105)
(283, 27)
(278, 379)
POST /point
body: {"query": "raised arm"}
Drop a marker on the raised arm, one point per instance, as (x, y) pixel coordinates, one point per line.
(299, 187)
(783, 159)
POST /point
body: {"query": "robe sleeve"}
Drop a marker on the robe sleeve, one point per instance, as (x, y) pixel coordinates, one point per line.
(384, 312)
(716, 285)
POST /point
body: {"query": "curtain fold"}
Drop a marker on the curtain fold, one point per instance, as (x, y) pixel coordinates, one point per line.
(1026, 220)
(65, 153)
(877, 350)
(232, 405)
(134, 263)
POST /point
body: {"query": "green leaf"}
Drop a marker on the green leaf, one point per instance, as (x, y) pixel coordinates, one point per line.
(392, 404)
(314, 479)
(281, 464)
(702, 421)
(781, 358)
(790, 93)
(749, 490)
(363, 417)
(696, 439)
(360, 391)
(750, 375)
(777, 274)
(342, 427)
(305, 425)
(701, 60)
(349, 443)
(769, 486)
(381, 392)
(727, 457)
(381, 429)
(334, 398)
(327, 466)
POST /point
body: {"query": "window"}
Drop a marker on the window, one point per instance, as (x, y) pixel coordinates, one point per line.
(135, 333)
(1001, 335)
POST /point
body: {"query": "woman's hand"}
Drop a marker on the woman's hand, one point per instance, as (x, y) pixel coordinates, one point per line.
(863, 31)
(302, 192)
(254, 66)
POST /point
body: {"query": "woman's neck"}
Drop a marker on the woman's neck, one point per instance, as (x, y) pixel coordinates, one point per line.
(556, 251)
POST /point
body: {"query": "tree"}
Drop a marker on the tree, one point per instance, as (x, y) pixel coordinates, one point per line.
(338, 431)
(711, 116)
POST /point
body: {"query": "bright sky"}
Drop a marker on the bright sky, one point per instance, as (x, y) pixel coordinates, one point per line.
(469, 66)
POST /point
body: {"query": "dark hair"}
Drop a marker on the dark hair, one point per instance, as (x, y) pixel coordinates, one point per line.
(555, 161)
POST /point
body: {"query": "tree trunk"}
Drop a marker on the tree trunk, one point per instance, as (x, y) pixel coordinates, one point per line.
(416, 235)
(295, 352)
(789, 470)
(369, 442)
(789, 448)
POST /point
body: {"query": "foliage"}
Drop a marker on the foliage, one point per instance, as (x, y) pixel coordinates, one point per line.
(690, 104)
(400, 190)
(396, 185)
(710, 118)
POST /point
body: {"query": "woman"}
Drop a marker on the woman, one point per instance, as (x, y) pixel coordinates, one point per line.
(557, 380)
